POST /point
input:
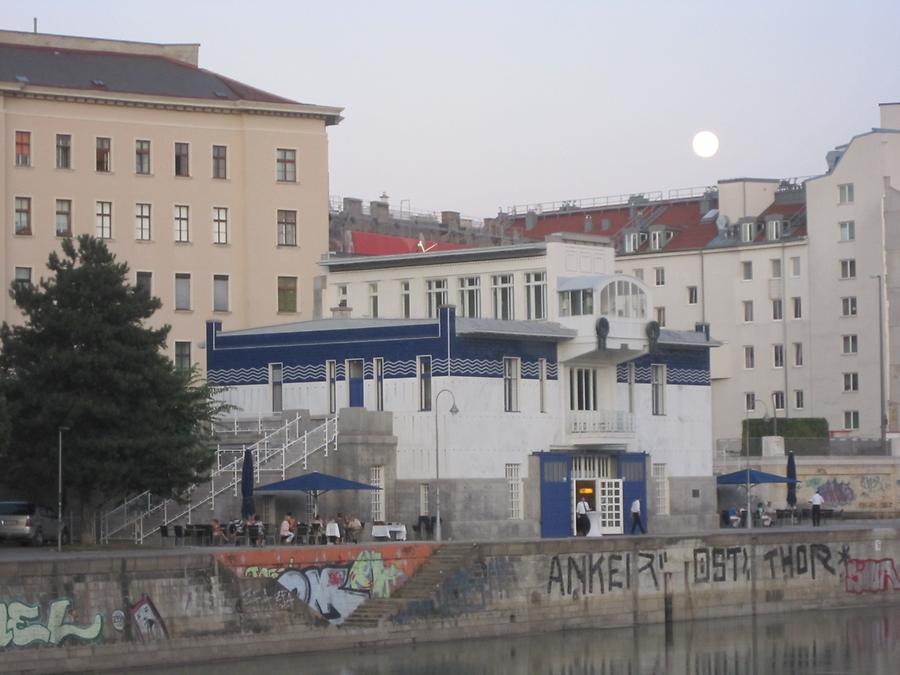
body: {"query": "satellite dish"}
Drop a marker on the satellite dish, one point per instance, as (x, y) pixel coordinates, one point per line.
(722, 221)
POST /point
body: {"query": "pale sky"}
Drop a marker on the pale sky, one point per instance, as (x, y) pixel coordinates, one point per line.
(470, 106)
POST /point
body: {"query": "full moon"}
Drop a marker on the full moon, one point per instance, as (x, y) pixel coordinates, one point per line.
(706, 144)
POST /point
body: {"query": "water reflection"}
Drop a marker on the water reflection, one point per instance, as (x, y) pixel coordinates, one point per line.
(803, 643)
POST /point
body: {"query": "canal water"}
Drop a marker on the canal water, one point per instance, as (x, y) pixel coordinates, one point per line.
(860, 641)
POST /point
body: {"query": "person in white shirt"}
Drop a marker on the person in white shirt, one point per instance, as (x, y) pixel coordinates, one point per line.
(636, 516)
(582, 524)
(817, 500)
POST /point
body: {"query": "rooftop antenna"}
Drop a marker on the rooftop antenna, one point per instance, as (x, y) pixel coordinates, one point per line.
(35, 24)
(384, 196)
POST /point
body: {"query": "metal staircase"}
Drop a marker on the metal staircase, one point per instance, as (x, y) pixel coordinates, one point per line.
(279, 449)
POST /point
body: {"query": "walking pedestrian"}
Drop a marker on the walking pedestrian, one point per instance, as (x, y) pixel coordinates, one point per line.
(817, 500)
(636, 516)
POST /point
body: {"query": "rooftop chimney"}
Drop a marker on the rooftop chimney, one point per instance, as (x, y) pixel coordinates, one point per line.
(380, 211)
(450, 220)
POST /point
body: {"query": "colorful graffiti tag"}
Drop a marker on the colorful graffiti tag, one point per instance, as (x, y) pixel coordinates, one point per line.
(332, 581)
(20, 624)
(148, 624)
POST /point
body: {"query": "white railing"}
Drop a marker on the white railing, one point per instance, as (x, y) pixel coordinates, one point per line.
(610, 200)
(277, 451)
(599, 422)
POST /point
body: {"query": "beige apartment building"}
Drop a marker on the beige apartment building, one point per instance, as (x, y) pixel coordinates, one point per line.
(215, 193)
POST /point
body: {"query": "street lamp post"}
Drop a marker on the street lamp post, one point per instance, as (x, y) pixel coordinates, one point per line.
(59, 493)
(437, 461)
(747, 437)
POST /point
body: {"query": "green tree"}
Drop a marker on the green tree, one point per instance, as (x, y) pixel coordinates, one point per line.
(85, 360)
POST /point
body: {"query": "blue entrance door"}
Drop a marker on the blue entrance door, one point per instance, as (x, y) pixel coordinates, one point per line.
(355, 380)
(633, 472)
(556, 494)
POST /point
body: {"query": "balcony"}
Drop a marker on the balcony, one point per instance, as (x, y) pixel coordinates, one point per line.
(593, 426)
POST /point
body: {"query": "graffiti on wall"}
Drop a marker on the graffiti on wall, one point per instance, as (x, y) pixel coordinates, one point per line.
(148, 624)
(332, 582)
(865, 491)
(21, 625)
(601, 573)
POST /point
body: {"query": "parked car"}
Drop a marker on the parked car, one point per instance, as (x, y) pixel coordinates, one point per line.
(30, 523)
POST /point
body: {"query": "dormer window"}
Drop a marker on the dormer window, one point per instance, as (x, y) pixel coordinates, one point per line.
(656, 240)
(748, 231)
(775, 229)
(631, 242)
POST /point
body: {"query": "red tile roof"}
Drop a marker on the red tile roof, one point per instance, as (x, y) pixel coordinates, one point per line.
(693, 237)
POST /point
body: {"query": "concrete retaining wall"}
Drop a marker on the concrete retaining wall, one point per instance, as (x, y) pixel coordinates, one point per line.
(167, 608)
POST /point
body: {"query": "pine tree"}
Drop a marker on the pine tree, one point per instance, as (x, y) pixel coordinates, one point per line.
(85, 360)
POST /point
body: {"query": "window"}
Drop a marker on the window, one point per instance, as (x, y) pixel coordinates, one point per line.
(748, 311)
(405, 309)
(660, 315)
(748, 230)
(470, 297)
(423, 368)
(750, 401)
(23, 148)
(511, 367)
(142, 225)
(576, 303)
(104, 155)
(798, 354)
(848, 306)
(660, 276)
(774, 228)
(331, 383)
(286, 165)
(23, 275)
(542, 385)
(795, 266)
(219, 161)
(660, 489)
(776, 268)
(287, 228)
(287, 294)
(63, 217)
(657, 239)
(851, 381)
(582, 389)
(63, 151)
(142, 157)
(749, 357)
(778, 400)
(435, 295)
(220, 225)
(182, 291)
(182, 224)
(183, 355)
(220, 292)
(799, 403)
(848, 230)
(23, 215)
(747, 270)
(851, 419)
(798, 308)
(103, 223)
(845, 193)
(536, 295)
(376, 479)
(144, 281)
(513, 492)
(378, 364)
(850, 344)
(502, 294)
(692, 295)
(658, 389)
(848, 268)
(342, 296)
(778, 356)
(777, 310)
(182, 159)
(373, 300)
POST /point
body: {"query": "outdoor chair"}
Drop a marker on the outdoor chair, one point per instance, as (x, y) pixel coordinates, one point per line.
(179, 534)
(302, 535)
(164, 534)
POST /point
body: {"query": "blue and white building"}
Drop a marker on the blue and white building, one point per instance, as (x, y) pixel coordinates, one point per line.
(590, 397)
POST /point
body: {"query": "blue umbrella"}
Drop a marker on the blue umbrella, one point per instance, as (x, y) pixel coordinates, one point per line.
(792, 480)
(248, 507)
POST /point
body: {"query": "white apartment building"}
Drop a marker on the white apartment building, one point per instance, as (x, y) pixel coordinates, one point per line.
(215, 193)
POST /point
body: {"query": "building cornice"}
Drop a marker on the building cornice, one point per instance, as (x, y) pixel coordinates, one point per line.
(330, 115)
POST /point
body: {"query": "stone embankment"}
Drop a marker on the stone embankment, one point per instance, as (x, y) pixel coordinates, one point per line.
(124, 610)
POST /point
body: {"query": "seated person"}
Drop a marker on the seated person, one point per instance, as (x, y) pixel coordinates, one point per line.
(218, 533)
(768, 515)
(286, 533)
(733, 517)
(353, 529)
(315, 528)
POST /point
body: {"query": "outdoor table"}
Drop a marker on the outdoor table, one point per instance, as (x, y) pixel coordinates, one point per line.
(595, 521)
(332, 530)
(396, 531)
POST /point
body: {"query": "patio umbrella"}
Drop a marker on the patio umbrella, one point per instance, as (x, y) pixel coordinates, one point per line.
(792, 480)
(316, 483)
(248, 507)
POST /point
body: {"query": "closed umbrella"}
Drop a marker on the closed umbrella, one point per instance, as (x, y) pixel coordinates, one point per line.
(792, 480)
(248, 507)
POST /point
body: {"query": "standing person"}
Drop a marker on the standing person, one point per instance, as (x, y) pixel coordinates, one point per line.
(817, 500)
(582, 524)
(636, 516)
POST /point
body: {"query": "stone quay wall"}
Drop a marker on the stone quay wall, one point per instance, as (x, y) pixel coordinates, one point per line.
(124, 610)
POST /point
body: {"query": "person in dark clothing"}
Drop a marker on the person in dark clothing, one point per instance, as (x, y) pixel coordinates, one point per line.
(636, 516)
